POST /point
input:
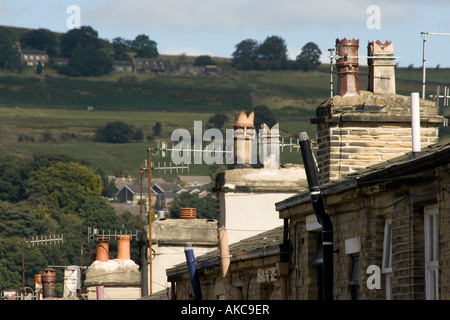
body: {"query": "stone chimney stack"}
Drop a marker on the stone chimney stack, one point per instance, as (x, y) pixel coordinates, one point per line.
(244, 140)
(359, 129)
(381, 67)
(347, 67)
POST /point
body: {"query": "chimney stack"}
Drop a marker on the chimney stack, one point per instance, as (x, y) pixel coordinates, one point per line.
(381, 67)
(347, 67)
(244, 139)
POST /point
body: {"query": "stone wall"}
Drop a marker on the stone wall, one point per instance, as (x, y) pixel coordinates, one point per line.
(360, 215)
(359, 131)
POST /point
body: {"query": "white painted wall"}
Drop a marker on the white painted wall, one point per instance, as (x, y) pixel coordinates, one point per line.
(248, 214)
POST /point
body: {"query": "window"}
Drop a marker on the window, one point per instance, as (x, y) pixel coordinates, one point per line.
(431, 253)
(387, 258)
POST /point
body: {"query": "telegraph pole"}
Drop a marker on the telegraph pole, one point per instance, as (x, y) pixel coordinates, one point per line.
(150, 255)
(143, 247)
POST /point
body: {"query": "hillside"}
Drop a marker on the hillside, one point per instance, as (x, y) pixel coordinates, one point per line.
(48, 113)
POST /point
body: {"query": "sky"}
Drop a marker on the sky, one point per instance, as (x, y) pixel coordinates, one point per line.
(215, 27)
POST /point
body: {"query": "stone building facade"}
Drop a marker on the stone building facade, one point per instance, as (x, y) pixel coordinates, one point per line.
(389, 206)
(253, 270)
(392, 216)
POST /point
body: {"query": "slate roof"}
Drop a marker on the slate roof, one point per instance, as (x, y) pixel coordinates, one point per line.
(264, 244)
(391, 171)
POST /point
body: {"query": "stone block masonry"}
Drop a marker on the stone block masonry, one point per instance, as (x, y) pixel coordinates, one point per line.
(360, 131)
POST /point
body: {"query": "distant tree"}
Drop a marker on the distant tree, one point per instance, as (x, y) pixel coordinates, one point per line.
(118, 132)
(182, 59)
(85, 37)
(311, 53)
(69, 185)
(206, 207)
(9, 53)
(144, 47)
(217, 121)
(245, 55)
(301, 64)
(98, 212)
(40, 39)
(121, 48)
(39, 68)
(87, 61)
(13, 175)
(114, 132)
(263, 115)
(157, 129)
(203, 60)
(272, 53)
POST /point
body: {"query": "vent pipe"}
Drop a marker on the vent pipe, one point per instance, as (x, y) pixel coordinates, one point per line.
(321, 215)
(415, 122)
(234, 292)
(193, 274)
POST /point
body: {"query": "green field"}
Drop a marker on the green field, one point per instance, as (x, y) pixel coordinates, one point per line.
(48, 113)
(124, 158)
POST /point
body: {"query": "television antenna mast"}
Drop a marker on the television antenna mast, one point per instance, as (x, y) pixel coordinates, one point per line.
(37, 241)
(424, 53)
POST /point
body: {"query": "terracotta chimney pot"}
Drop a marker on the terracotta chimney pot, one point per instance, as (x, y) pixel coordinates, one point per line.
(123, 247)
(102, 249)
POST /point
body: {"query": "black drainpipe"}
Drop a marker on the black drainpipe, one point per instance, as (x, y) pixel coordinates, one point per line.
(321, 215)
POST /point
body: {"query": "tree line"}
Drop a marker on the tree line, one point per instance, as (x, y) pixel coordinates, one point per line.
(49, 195)
(89, 55)
(271, 54)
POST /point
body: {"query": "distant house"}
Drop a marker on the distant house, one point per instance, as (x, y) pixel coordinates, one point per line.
(161, 191)
(195, 181)
(145, 65)
(132, 193)
(31, 58)
(122, 66)
(192, 70)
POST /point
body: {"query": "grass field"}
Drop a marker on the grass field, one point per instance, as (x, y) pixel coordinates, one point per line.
(114, 159)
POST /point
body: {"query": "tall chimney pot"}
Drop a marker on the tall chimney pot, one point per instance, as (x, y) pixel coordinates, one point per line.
(102, 249)
(347, 67)
(123, 247)
(381, 67)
